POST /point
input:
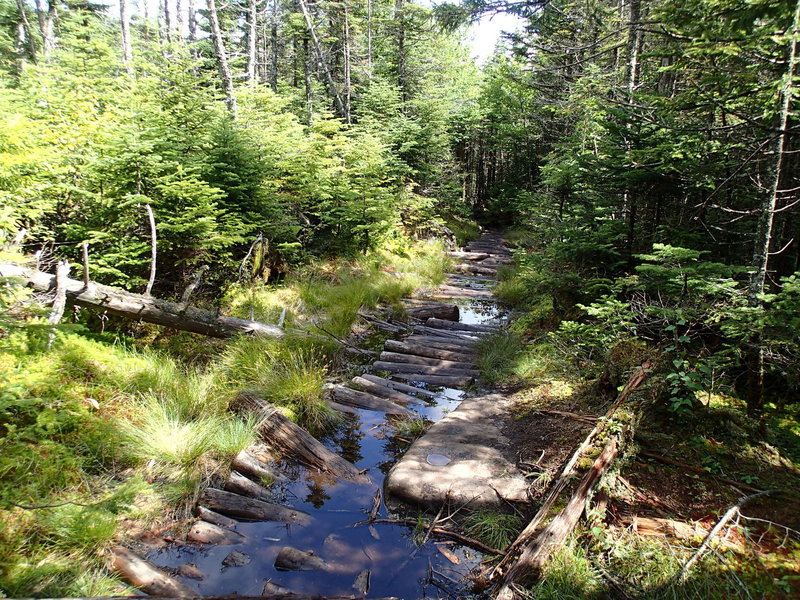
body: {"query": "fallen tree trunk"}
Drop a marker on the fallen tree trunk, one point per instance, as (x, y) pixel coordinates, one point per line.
(396, 385)
(394, 367)
(142, 308)
(451, 291)
(537, 552)
(296, 441)
(352, 397)
(451, 381)
(235, 505)
(529, 533)
(398, 357)
(384, 392)
(440, 324)
(143, 575)
(427, 351)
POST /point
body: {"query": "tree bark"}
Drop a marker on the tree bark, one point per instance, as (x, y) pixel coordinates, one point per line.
(252, 42)
(125, 30)
(235, 505)
(226, 79)
(141, 574)
(28, 42)
(766, 217)
(358, 399)
(323, 64)
(143, 308)
(192, 20)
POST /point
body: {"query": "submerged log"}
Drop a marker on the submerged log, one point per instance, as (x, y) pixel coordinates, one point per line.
(427, 351)
(239, 484)
(352, 397)
(214, 517)
(396, 385)
(399, 357)
(441, 324)
(235, 505)
(451, 381)
(246, 463)
(208, 533)
(143, 575)
(296, 441)
(142, 308)
(394, 367)
(384, 392)
(292, 559)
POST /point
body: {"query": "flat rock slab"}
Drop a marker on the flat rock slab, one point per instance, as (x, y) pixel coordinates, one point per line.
(464, 457)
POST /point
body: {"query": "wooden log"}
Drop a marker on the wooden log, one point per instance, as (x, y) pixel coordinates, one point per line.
(535, 554)
(451, 291)
(472, 327)
(143, 575)
(296, 441)
(443, 343)
(396, 385)
(143, 308)
(292, 559)
(353, 397)
(412, 359)
(470, 256)
(239, 484)
(210, 516)
(394, 367)
(425, 350)
(246, 463)
(235, 505)
(637, 378)
(467, 338)
(202, 532)
(342, 408)
(472, 279)
(440, 310)
(377, 389)
(279, 595)
(649, 526)
(253, 509)
(451, 381)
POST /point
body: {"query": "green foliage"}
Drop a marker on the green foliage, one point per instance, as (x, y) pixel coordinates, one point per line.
(495, 529)
(497, 355)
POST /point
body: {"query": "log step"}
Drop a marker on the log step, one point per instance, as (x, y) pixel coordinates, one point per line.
(246, 463)
(451, 381)
(469, 268)
(442, 324)
(394, 367)
(440, 310)
(235, 505)
(239, 484)
(443, 343)
(471, 256)
(383, 391)
(428, 351)
(399, 357)
(143, 575)
(202, 532)
(443, 333)
(295, 441)
(395, 385)
(353, 397)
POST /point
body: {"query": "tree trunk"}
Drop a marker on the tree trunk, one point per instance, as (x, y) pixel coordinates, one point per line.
(347, 82)
(755, 394)
(179, 20)
(222, 58)
(125, 28)
(337, 99)
(192, 20)
(167, 21)
(28, 42)
(400, 40)
(252, 42)
(143, 308)
(273, 35)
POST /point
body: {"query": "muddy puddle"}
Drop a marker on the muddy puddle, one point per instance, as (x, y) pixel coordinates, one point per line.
(397, 566)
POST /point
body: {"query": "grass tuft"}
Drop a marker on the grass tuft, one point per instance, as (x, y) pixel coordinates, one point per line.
(495, 529)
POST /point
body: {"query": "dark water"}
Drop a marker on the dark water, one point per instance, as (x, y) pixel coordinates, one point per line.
(398, 566)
